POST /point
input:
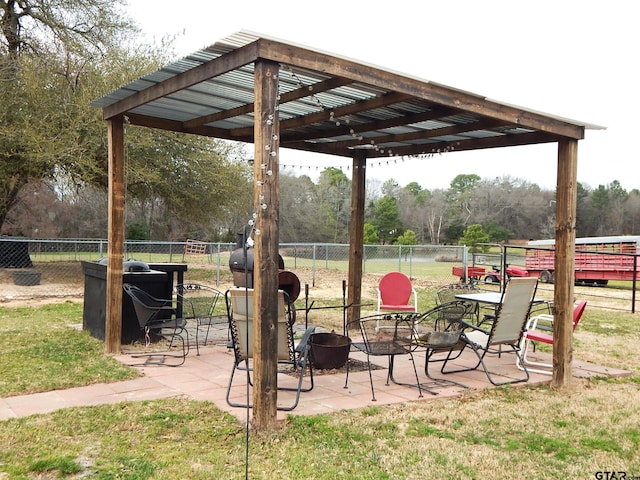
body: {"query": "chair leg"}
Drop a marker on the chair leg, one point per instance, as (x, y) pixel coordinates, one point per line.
(481, 362)
(301, 366)
(197, 338)
(228, 397)
(438, 382)
(161, 358)
(523, 360)
(418, 384)
(373, 393)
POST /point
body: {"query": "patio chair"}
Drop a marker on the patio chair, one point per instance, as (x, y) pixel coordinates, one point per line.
(198, 306)
(388, 335)
(447, 294)
(539, 329)
(293, 360)
(156, 316)
(506, 330)
(438, 331)
(395, 292)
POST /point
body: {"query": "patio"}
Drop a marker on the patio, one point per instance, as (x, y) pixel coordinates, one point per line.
(205, 377)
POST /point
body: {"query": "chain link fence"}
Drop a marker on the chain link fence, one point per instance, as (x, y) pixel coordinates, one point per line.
(39, 269)
(54, 268)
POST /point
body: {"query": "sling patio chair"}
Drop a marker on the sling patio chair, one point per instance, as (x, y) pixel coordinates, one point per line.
(157, 316)
(447, 294)
(293, 360)
(505, 334)
(388, 335)
(539, 328)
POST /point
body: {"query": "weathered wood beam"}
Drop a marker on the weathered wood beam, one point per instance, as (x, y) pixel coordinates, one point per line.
(115, 228)
(356, 237)
(218, 66)
(432, 92)
(566, 204)
(265, 272)
(175, 126)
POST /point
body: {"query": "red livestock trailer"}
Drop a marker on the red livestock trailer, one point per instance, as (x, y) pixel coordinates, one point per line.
(597, 259)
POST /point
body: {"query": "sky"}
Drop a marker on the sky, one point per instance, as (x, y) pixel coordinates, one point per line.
(576, 59)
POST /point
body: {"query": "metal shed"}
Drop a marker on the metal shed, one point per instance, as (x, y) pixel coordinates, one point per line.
(274, 94)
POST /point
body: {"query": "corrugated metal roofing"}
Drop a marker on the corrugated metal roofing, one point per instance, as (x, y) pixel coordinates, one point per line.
(337, 107)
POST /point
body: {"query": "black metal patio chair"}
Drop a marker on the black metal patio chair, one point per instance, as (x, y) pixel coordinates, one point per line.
(199, 304)
(156, 316)
(388, 335)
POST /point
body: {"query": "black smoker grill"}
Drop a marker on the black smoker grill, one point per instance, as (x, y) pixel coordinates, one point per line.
(242, 271)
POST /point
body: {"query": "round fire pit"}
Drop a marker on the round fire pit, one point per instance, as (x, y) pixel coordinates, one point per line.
(329, 350)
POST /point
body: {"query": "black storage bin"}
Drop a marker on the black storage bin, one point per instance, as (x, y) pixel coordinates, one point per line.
(154, 282)
(14, 253)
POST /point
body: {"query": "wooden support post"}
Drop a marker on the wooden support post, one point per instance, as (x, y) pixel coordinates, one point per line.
(265, 271)
(566, 203)
(115, 255)
(356, 237)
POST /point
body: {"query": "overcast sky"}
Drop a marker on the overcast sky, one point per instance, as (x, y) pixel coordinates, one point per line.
(576, 59)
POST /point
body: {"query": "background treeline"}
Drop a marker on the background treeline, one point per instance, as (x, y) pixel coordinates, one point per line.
(506, 208)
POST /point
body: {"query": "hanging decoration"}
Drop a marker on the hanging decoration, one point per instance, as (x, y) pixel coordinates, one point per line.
(266, 170)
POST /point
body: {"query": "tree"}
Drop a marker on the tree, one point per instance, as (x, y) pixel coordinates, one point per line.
(390, 188)
(299, 219)
(55, 58)
(473, 236)
(44, 47)
(334, 195)
(497, 233)
(407, 238)
(387, 220)
(370, 235)
(632, 213)
(412, 206)
(459, 194)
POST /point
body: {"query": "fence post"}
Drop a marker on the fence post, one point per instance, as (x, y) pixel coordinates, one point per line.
(364, 258)
(465, 263)
(410, 262)
(633, 284)
(326, 255)
(313, 267)
(218, 266)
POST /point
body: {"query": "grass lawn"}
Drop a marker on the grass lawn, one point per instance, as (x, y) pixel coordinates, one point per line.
(526, 432)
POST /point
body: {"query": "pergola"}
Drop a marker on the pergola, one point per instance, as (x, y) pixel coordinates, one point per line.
(274, 94)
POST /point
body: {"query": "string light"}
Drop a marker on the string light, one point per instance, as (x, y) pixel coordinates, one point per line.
(372, 143)
(265, 169)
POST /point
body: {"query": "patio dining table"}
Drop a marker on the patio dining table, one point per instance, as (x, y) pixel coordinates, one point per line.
(489, 299)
